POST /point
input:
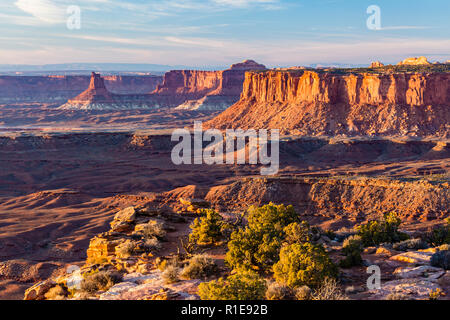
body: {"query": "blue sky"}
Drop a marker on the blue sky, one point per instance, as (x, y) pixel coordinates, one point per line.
(220, 32)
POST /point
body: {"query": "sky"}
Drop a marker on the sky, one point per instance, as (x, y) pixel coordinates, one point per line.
(220, 32)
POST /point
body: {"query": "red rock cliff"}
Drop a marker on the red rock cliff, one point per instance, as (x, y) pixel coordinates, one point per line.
(224, 87)
(310, 103)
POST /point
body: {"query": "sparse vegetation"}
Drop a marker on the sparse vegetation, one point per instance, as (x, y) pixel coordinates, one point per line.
(126, 249)
(56, 293)
(352, 249)
(303, 293)
(441, 259)
(152, 244)
(397, 296)
(329, 290)
(199, 267)
(381, 231)
(171, 274)
(439, 235)
(279, 291)
(410, 244)
(245, 285)
(100, 280)
(154, 229)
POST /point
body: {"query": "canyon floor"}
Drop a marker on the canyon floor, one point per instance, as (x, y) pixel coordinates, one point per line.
(64, 174)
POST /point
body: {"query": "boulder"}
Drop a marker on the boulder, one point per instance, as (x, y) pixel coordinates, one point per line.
(38, 291)
(415, 257)
(414, 288)
(431, 273)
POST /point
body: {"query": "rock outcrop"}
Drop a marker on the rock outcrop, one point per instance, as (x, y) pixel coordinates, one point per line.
(414, 61)
(329, 103)
(182, 89)
(59, 89)
(206, 90)
(376, 64)
(97, 97)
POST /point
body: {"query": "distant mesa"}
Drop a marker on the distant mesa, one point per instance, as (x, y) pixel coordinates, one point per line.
(180, 89)
(414, 61)
(376, 64)
(97, 97)
(247, 65)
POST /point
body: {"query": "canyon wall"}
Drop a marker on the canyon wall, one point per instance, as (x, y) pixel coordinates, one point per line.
(181, 89)
(205, 90)
(311, 103)
(58, 89)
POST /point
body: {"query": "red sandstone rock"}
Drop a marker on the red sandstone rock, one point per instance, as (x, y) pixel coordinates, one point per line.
(186, 89)
(310, 103)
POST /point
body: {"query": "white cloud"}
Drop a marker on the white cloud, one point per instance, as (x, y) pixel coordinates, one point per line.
(244, 3)
(44, 10)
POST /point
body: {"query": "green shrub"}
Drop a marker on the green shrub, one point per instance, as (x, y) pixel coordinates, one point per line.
(200, 267)
(439, 235)
(207, 230)
(298, 232)
(101, 280)
(303, 264)
(241, 286)
(257, 246)
(352, 249)
(279, 291)
(381, 231)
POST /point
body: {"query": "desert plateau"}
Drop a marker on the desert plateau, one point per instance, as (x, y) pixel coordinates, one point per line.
(79, 183)
(258, 162)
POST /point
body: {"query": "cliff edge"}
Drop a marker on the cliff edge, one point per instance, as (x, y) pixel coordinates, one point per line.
(309, 102)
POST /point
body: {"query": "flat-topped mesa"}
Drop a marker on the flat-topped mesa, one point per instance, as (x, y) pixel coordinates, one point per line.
(316, 103)
(247, 65)
(206, 90)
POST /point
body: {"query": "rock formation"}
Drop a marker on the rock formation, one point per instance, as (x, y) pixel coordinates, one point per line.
(312, 103)
(182, 89)
(58, 89)
(206, 90)
(97, 97)
(414, 61)
(376, 64)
